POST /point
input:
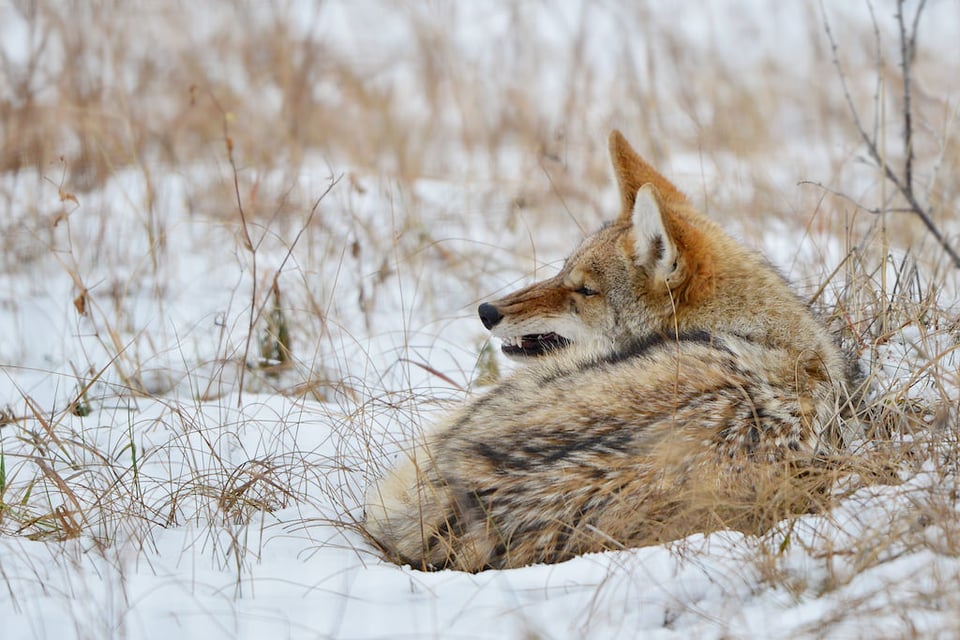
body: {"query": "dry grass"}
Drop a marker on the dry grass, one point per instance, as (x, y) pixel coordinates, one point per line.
(115, 114)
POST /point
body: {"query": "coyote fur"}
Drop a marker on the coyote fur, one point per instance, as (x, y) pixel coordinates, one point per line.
(675, 385)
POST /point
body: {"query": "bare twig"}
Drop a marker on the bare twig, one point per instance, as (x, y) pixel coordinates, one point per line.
(908, 51)
(856, 203)
(903, 183)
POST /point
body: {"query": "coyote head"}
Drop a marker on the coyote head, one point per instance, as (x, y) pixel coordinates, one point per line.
(633, 277)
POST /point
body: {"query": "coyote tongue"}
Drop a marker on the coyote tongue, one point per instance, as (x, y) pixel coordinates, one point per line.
(533, 344)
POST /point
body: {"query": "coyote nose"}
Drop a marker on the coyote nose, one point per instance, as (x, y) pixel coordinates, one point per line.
(489, 315)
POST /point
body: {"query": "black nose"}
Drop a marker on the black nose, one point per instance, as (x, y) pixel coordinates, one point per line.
(489, 315)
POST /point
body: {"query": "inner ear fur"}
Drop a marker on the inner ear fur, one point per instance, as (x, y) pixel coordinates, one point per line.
(653, 242)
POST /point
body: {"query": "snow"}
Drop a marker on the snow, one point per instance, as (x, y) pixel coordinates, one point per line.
(295, 578)
(207, 510)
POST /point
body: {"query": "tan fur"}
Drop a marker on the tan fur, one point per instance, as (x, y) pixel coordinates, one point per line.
(691, 391)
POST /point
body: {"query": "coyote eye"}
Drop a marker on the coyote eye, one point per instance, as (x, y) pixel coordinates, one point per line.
(585, 291)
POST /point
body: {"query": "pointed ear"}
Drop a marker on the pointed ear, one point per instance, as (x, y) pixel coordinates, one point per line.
(653, 244)
(633, 172)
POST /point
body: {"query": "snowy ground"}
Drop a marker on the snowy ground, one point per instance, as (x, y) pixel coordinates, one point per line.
(156, 478)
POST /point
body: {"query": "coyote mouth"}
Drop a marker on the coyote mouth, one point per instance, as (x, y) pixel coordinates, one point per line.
(533, 344)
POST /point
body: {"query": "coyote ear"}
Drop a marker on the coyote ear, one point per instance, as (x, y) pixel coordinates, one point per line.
(652, 243)
(633, 172)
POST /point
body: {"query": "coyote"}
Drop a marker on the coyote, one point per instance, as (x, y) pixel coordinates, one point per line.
(675, 385)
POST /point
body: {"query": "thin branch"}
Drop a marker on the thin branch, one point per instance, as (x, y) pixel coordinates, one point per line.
(903, 187)
(881, 66)
(874, 211)
(907, 51)
(913, 30)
